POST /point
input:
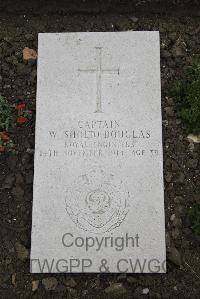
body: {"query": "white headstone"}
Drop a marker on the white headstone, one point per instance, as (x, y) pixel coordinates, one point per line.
(98, 184)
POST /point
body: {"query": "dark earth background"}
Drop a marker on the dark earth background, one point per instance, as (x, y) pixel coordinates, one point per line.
(179, 26)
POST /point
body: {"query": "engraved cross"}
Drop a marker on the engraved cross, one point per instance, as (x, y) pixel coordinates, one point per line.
(99, 71)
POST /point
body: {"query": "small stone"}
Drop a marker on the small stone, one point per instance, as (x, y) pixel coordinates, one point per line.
(72, 292)
(117, 288)
(29, 54)
(9, 181)
(33, 75)
(30, 151)
(70, 283)
(179, 178)
(169, 111)
(177, 222)
(25, 158)
(12, 161)
(175, 233)
(192, 163)
(179, 48)
(180, 210)
(131, 279)
(29, 177)
(29, 36)
(19, 178)
(35, 285)
(155, 295)
(172, 217)
(61, 288)
(179, 51)
(168, 239)
(162, 29)
(121, 277)
(172, 36)
(174, 256)
(191, 147)
(170, 101)
(193, 138)
(168, 177)
(165, 122)
(178, 199)
(165, 54)
(180, 146)
(97, 283)
(178, 121)
(175, 166)
(18, 193)
(13, 279)
(134, 19)
(22, 251)
(145, 291)
(50, 283)
(187, 231)
(138, 292)
(21, 69)
(85, 292)
(123, 24)
(94, 284)
(12, 60)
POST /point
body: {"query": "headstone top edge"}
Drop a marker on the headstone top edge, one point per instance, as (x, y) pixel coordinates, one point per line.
(153, 32)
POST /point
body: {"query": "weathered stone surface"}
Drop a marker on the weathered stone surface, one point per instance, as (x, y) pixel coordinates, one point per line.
(98, 155)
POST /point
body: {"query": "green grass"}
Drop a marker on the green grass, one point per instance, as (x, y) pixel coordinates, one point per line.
(5, 114)
(186, 92)
(6, 123)
(194, 215)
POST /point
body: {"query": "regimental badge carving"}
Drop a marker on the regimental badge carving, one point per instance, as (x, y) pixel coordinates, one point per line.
(97, 202)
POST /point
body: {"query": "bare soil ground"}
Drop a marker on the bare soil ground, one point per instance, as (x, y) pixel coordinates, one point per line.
(180, 40)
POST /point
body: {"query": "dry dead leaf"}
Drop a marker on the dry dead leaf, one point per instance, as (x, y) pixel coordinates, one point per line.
(13, 279)
(194, 138)
(29, 54)
(35, 284)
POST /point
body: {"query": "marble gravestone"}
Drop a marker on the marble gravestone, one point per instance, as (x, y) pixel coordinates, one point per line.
(98, 182)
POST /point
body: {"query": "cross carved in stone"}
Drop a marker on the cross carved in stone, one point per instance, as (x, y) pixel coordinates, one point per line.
(99, 71)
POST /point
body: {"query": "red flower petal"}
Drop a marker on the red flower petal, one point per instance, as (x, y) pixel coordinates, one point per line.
(2, 148)
(4, 136)
(20, 106)
(21, 119)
